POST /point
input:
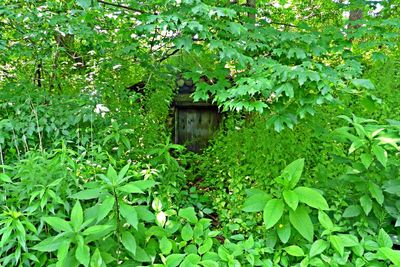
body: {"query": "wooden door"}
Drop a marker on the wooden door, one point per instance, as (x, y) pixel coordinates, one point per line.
(194, 126)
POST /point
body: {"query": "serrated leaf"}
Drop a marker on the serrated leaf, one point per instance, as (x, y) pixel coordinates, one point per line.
(273, 211)
(311, 197)
(301, 221)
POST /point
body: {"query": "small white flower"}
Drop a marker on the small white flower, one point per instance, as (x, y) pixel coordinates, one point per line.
(101, 109)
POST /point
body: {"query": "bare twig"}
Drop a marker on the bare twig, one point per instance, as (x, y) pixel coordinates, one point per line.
(121, 6)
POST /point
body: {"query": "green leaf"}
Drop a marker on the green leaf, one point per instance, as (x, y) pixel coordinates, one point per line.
(284, 231)
(273, 211)
(58, 224)
(129, 213)
(380, 154)
(189, 214)
(96, 259)
(5, 178)
(129, 242)
(366, 160)
(318, 247)
(50, 244)
(291, 199)
(384, 239)
(207, 245)
(84, 3)
(294, 251)
(256, 202)
(187, 232)
(98, 230)
(392, 255)
(301, 221)
(311, 197)
(77, 216)
(105, 208)
(173, 260)
(293, 171)
(337, 243)
(363, 83)
(82, 253)
(352, 211)
(366, 204)
(165, 245)
(130, 188)
(144, 185)
(376, 192)
(325, 221)
(88, 194)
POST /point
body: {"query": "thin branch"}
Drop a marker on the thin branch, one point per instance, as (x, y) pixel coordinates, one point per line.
(169, 55)
(121, 6)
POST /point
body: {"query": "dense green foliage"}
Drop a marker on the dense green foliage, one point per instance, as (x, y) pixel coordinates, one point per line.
(304, 171)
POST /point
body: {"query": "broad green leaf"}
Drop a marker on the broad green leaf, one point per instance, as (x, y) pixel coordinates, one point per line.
(293, 171)
(165, 245)
(337, 243)
(144, 185)
(318, 247)
(291, 199)
(5, 178)
(273, 211)
(96, 259)
(99, 230)
(348, 240)
(189, 214)
(174, 260)
(129, 242)
(384, 239)
(301, 221)
(352, 211)
(130, 188)
(376, 192)
(123, 171)
(209, 263)
(311, 197)
(187, 232)
(105, 207)
(191, 260)
(112, 175)
(77, 216)
(58, 224)
(366, 160)
(324, 220)
(284, 231)
(129, 213)
(84, 3)
(294, 251)
(62, 253)
(207, 245)
(256, 202)
(366, 204)
(380, 154)
(50, 244)
(363, 83)
(88, 194)
(82, 254)
(392, 255)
